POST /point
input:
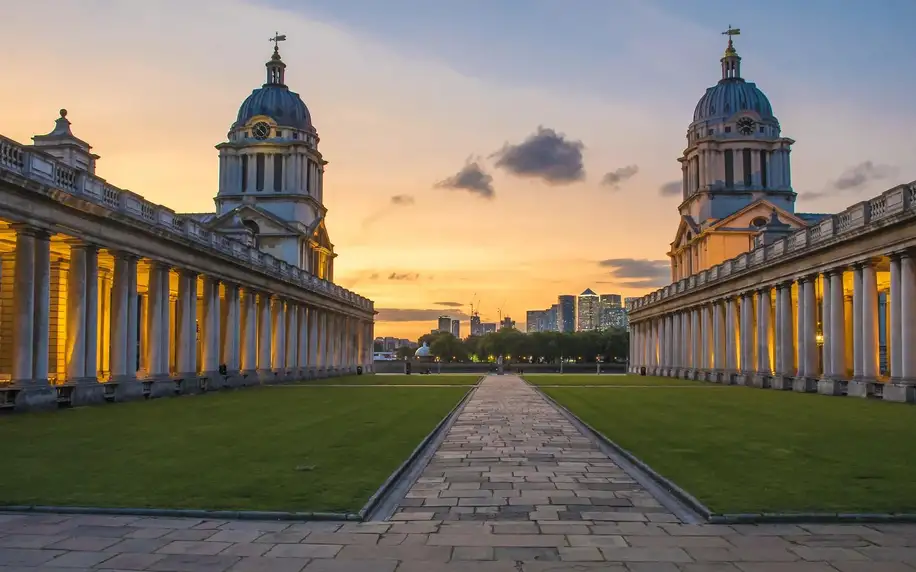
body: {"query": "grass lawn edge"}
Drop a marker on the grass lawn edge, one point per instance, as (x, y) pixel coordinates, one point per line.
(726, 518)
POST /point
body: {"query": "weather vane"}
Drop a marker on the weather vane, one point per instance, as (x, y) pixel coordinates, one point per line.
(731, 33)
(278, 37)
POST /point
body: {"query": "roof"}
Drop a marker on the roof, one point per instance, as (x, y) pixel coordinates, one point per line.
(812, 218)
(588, 292)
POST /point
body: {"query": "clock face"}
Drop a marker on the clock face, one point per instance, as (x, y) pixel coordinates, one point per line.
(746, 125)
(261, 130)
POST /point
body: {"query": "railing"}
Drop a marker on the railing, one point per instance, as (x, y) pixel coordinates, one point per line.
(859, 217)
(37, 165)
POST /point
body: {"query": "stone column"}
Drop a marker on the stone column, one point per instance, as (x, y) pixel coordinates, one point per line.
(231, 328)
(209, 327)
(133, 325)
(764, 363)
(313, 339)
(249, 331)
(807, 327)
(704, 338)
(31, 286)
(697, 336)
(265, 339)
(895, 338)
(76, 313)
(278, 347)
(124, 328)
(303, 350)
(858, 339)
(719, 332)
(869, 322)
(676, 342)
(905, 387)
(748, 365)
(786, 332)
(186, 323)
(825, 329)
(292, 339)
(166, 335)
(731, 337)
(837, 325)
(778, 366)
(153, 325)
(802, 344)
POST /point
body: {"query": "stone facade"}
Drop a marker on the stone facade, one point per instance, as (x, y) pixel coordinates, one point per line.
(105, 295)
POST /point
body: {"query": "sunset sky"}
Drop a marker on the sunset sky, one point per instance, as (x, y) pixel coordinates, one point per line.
(406, 93)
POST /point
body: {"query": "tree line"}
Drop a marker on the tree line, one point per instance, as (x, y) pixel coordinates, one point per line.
(610, 345)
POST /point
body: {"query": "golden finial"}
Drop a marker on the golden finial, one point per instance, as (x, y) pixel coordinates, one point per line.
(731, 33)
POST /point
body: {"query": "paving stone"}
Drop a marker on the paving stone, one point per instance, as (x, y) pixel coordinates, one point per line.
(133, 561)
(408, 553)
(247, 549)
(281, 537)
(79, 559)
(235, 536)
(199, 547)
(259, 564)
(340, 538)
(350, 566)
(581, 554)
(30, 540)
(785, 567)
(448, 539)
(571, 567)
(304, 551)
(473, 553)
(526, 554)
(190, 534)
(137, 545)
(640, 554)
(194, 563)
(458, 566)
(822, 554)
(88, 543)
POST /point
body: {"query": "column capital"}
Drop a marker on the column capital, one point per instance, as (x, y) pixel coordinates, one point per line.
(784, 285)
(29, 230)
(79, 243)
(868, 262)
(159, 264)
(901, 254)
(835, 271)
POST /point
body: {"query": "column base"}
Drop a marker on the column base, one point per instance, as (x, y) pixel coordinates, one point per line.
(35, 396)
(804, 384)
(862, 388)
(741, 378)
(233, 380)
(900, 392)
(212, 381)
(87, 392)
(761, 380)
(710, 376)
(827, 386)
(189, 384)
(249, 377)
(781, 382)
(267, 377)
(128, 390)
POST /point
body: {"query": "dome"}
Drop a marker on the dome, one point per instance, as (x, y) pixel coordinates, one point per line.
(731, 96)
(422, 351)
(274, 99)
(279, 103)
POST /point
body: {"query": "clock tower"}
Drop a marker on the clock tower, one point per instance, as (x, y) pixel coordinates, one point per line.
(271, 176)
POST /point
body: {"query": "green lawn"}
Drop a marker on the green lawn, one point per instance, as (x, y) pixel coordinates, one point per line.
(741, 449)
(615, 380)
(414, 379)
(270, 448)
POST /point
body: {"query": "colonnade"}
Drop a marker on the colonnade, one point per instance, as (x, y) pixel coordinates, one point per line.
(102, 322)
(816, 332)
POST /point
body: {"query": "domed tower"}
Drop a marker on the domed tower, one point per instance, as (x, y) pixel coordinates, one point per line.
(271, 175)
(736, 163)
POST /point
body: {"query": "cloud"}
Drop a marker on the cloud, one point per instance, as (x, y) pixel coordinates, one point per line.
(408, 276)
(450, 304)
(853, 180)
(614, 178)
(471, 178)
(402, 200)
(670, 189)
(545, 155)
(414, 315)
(638, 273)
(373, 276)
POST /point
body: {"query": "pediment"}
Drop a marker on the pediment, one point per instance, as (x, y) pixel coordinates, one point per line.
(266, 222)
(687, 225)
(744, 219)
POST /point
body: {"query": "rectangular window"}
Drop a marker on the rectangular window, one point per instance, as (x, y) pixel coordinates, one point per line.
(244, 173)
(259, 174)
(278, 173)
(729, 168)
(728, 129)
(763, 169)
(747, 168)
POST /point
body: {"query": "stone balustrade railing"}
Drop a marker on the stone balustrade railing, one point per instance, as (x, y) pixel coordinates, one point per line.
(851, 222)
(44, 168)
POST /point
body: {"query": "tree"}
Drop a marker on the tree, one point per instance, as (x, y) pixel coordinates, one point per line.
(405, 352)
(448, 348)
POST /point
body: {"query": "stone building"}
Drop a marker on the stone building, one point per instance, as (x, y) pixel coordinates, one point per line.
(105, 295)
(766, 297)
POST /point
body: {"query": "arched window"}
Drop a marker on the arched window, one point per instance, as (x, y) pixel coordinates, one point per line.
(759, 222)
(255, 230)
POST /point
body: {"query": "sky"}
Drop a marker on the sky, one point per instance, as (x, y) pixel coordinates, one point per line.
(529, 142)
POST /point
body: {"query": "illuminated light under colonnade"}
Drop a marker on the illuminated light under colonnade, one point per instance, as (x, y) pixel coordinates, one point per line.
(104, 295)
(829, 308)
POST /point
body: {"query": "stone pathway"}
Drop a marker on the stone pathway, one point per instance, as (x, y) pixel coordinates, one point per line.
(512, 456)
(505, 450)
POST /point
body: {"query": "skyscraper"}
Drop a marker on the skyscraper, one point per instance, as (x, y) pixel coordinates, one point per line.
(456, 328)
(476, 328)
(534, 321)
(551, 318)
(587, 316)
(445, 324)
(566, 313)
(609, 311)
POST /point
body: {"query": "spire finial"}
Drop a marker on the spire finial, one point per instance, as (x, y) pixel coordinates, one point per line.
(278, 37)
(731, 33)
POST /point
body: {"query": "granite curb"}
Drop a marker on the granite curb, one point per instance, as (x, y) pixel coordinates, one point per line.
(733, 518)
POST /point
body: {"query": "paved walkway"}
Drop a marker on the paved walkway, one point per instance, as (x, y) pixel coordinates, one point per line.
(513, 488)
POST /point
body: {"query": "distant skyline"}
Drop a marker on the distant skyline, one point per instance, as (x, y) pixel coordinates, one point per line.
(503, 151)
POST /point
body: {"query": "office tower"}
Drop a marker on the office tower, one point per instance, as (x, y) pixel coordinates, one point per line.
(456, 328)
(587, 311)
(566, 313)
(445, 324)
(476, 329)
